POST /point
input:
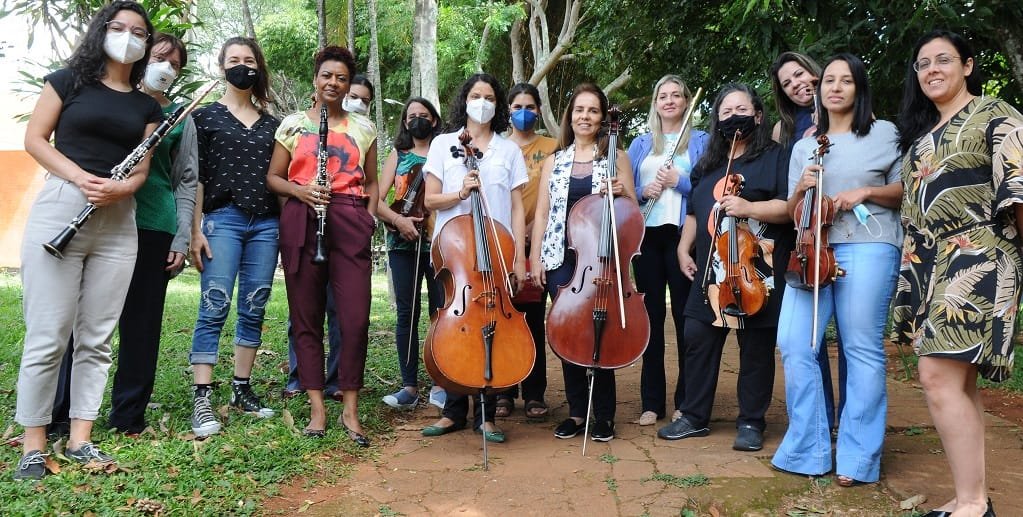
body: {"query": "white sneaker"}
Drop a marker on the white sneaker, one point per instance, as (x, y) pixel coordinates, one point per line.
(438, 397)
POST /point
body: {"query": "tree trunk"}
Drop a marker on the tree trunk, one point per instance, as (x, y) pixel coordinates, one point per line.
(250, 28)
(518, 64)
(428, 54)
(321, 16)
(374, 76)
(482, 48)
(351, 26)
(1012, 47)
(416, 83)
(544, 57)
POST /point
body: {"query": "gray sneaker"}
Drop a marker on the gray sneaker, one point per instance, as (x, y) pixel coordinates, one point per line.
(87, 452)
(204, 421)
(31, 467)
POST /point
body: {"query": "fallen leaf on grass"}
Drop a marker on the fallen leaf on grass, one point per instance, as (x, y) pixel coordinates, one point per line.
(101, 467)
(16, 441)
(289, 421)
(8, 432)
(224, 411)
(150, 431)
(913, 502)
(196, 496)
(52, 465)
(305, 506)
(163, 422)
(264, 351)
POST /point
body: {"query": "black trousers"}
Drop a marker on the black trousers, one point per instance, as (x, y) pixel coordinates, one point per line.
(704, 344)
(457, 409)
(535, 384)
(658, 272)
(139, 328)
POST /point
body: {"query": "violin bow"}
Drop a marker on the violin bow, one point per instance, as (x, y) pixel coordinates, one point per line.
(415, 291)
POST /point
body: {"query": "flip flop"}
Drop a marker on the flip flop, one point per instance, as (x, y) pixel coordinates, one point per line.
(536, 409)
(504, 407)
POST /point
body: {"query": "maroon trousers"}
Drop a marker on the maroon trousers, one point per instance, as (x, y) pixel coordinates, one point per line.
(349, 230)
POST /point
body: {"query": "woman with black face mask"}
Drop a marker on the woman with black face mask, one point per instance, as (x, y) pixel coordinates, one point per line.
(408, 243)
(759, 208)
(234, 230)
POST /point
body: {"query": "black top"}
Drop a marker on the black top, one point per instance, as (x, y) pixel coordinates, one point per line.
(233, 160)
(766, 179)
(99, 127)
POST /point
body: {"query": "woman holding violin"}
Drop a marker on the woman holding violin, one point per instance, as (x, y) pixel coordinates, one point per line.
(409, 228)
(737, 219)
(579, 169)
(661, 162)
(862, 189)
(478, 115)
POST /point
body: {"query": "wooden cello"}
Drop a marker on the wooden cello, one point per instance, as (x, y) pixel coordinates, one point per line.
(478, 342)
(598, 320)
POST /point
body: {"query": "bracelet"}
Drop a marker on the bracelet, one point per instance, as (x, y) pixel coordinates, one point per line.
(460, 195)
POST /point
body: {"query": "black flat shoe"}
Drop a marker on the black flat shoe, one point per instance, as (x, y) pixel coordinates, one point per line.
(937, 513)
(314, 433)
(359, 439)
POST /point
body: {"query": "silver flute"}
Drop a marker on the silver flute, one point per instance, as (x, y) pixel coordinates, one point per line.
(123, 171)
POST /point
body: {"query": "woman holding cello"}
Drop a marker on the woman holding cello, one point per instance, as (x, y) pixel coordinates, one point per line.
(861, 180)
(736, 217)
(579, 169)
(478, 115)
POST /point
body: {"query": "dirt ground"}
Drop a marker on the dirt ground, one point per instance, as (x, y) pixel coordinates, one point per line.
(534, 473)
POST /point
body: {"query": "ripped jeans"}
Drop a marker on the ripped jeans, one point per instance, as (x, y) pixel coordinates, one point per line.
(243, 246)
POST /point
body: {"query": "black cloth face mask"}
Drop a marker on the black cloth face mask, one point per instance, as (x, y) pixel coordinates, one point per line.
(241, 76)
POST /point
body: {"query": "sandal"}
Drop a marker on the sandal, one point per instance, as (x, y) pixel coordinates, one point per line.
(536, 409)
(504, 407)
(846, 481)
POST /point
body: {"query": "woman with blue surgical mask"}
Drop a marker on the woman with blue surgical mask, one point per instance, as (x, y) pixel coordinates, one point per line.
(524, 107)
(861, 173)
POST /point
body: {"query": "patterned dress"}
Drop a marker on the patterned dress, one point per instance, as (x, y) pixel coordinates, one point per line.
(959, 283)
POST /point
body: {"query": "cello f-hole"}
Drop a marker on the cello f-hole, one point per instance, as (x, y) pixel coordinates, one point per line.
(463, 299)
(576, 289)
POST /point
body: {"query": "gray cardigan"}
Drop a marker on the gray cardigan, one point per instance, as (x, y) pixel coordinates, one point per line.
(184, 178)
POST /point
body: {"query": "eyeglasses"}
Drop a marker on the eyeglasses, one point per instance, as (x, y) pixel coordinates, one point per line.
(119, 27)
(941, 60)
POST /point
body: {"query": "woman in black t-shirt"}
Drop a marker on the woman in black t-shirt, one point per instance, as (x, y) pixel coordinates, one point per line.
(234, 227)
(760, 208)
(97, 117)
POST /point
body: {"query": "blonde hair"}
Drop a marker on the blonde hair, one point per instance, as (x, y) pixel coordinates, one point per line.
(654, 120)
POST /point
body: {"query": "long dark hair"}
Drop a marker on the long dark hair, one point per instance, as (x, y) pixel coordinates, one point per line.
(786, 108)
(567, 136)
(260, 90)
(457, 115)
(403, 140)
(362, 80)
(88, 63)
(917, 114)
(863, 108)
(719, 146)
(527, 89)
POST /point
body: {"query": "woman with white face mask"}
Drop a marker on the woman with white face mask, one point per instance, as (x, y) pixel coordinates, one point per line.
(360, 96)
(163, 216)
(481, 110)
(96, 116)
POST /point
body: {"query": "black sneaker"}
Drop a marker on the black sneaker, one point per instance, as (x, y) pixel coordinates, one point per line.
(681, 428)
(748, 438)
(31, 467)
(243, 398)
(86, 453)
(603, 431)
(568, 429)
(204, 421)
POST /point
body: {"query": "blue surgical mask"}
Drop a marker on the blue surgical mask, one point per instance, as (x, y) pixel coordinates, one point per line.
(863, 215)
(523, 119)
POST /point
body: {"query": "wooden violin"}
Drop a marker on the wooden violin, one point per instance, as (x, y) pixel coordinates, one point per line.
(478, 341)
(812, 263)
(413, 202)
(741, 292)
(599, 320)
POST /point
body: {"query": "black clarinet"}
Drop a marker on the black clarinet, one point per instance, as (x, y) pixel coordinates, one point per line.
(122, 171)
(322, 180)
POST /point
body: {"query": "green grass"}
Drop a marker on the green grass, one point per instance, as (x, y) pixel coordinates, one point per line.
(230, 473)
(693, 480)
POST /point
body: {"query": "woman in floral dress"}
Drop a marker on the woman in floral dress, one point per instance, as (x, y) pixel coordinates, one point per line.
(958, 291)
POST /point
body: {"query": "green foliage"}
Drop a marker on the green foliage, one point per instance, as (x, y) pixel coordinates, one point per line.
(690, 481)
(288, 39)
(611, 484)
(230, 473)
(609, 458)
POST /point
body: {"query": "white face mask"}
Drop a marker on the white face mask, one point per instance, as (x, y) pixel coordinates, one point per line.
(159, 76)
(354, 105)
(124, 47)
(480, 110)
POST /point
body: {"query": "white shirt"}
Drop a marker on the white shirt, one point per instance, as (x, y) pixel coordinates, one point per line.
(671, 202)
(502, 169)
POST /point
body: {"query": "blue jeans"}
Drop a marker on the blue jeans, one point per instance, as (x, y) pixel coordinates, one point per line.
(334, 342)
(244, 246)
(859, 302)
